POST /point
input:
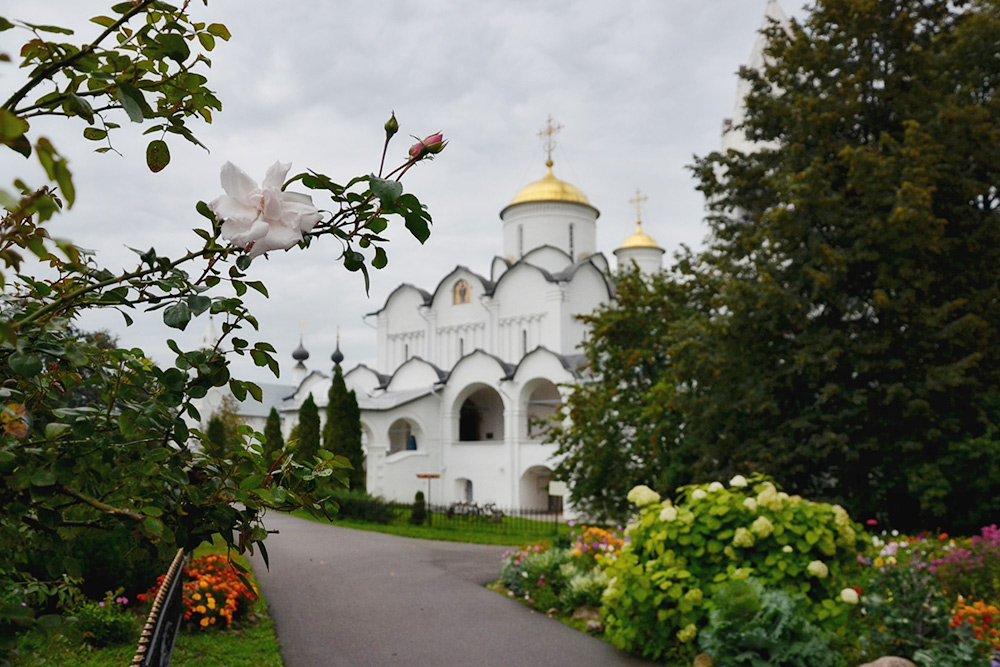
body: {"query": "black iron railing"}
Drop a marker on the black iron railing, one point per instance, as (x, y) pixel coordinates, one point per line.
(156, 645)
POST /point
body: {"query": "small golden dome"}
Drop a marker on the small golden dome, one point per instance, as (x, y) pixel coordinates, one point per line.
(550, 188)
(640, 239)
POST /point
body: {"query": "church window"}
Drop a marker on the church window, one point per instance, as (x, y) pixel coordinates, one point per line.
(572, 252)
(461, 348)
(402, 437)
(468, 422)
(462, 292)
(406, 352)
(520, 240)
(524, 342)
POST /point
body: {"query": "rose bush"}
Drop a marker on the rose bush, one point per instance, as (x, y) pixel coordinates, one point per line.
(97, 437)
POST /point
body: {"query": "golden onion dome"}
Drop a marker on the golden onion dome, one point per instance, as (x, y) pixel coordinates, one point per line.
(550, 188)
(640, 239)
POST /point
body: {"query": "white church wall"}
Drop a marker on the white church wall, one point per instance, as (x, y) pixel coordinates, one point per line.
(402, 332)
(570, 227)
(528, 312)
(361, 380)
(586, 291)
(549, 258)
(413, 374)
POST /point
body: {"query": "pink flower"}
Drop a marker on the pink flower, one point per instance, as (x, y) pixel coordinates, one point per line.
(431, 145)
(872, 522)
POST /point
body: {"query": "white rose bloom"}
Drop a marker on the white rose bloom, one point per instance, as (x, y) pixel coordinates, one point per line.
(698, 494)
(738, 482)
(750, 504)
(668, 514)
(715, 486)
(849, 595)
(262, 215)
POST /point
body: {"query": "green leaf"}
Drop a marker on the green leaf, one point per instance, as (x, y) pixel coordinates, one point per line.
(174, 47)
(177, 316)
(152, 527)
(380, 259)
(94, 133)
(54, 430)
(418, 226)
(387, 191)
(11, 126)
(43, 478)
(25, 364)
(243, 262)
(219, 31)
(5, 24)
(132, 101)
(50, 28)
(80, 107)
(207, 40)
(105, 21)
(199, 304)
(157, 155)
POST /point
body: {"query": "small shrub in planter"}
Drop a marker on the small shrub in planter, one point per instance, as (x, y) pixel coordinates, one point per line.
(419, 513)
(107, 622)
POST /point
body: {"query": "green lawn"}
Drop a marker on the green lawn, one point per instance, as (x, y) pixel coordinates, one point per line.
(474, 530)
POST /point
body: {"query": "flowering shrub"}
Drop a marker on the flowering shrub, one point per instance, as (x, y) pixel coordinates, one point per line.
(212, 591)
(981, 617)
(971, 567)
(661, 584)
(106, 622)
(535, 574)
(593, 542)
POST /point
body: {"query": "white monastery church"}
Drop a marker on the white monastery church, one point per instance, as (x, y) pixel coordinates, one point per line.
(468, 372)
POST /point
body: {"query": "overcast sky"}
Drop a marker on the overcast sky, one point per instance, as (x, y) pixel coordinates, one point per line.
(640, 86)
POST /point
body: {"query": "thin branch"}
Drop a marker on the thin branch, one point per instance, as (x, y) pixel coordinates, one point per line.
(103, 507)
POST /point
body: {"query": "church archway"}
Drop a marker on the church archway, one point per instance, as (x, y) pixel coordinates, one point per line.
(404, 435)
(463, 490)
(534, 493)
(480, 417)
(541, 403)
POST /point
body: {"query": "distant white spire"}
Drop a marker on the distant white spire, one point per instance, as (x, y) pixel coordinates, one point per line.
(210, 337)
(731, 136)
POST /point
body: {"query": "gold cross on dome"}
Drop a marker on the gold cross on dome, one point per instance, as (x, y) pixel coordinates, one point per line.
(638, 201)
(548, 138)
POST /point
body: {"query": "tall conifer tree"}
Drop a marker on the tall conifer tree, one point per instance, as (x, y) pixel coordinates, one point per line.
(309, 435)
(342, 430)
(273, 441)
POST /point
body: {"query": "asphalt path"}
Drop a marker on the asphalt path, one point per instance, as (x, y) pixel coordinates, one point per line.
(348, 597)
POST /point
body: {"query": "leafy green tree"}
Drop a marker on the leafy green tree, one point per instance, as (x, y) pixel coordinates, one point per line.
(308, 444)
(616, 438)
(342, 430)
(274, 443)
(855, 335)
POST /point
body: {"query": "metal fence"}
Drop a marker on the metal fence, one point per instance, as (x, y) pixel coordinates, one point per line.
(485, 518)
(156, 645)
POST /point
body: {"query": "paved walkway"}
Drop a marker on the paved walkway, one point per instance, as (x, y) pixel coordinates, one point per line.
(356, 598)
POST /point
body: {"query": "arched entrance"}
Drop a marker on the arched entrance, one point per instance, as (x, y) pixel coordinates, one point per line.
(534, 493)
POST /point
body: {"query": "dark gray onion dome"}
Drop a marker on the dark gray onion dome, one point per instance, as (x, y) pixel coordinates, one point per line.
(337, 355)
(300, 353)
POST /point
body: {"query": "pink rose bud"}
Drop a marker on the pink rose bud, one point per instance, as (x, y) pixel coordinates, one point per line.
(435, 143)
(417, 149)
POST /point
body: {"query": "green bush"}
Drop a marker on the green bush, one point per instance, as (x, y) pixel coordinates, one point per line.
(362, 507)
(107, 622)
(419, 513)
(536, 574)
(657, 598)
(753, 627)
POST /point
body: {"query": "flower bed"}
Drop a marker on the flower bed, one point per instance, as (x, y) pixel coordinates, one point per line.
(750, 575)
(214, 595)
